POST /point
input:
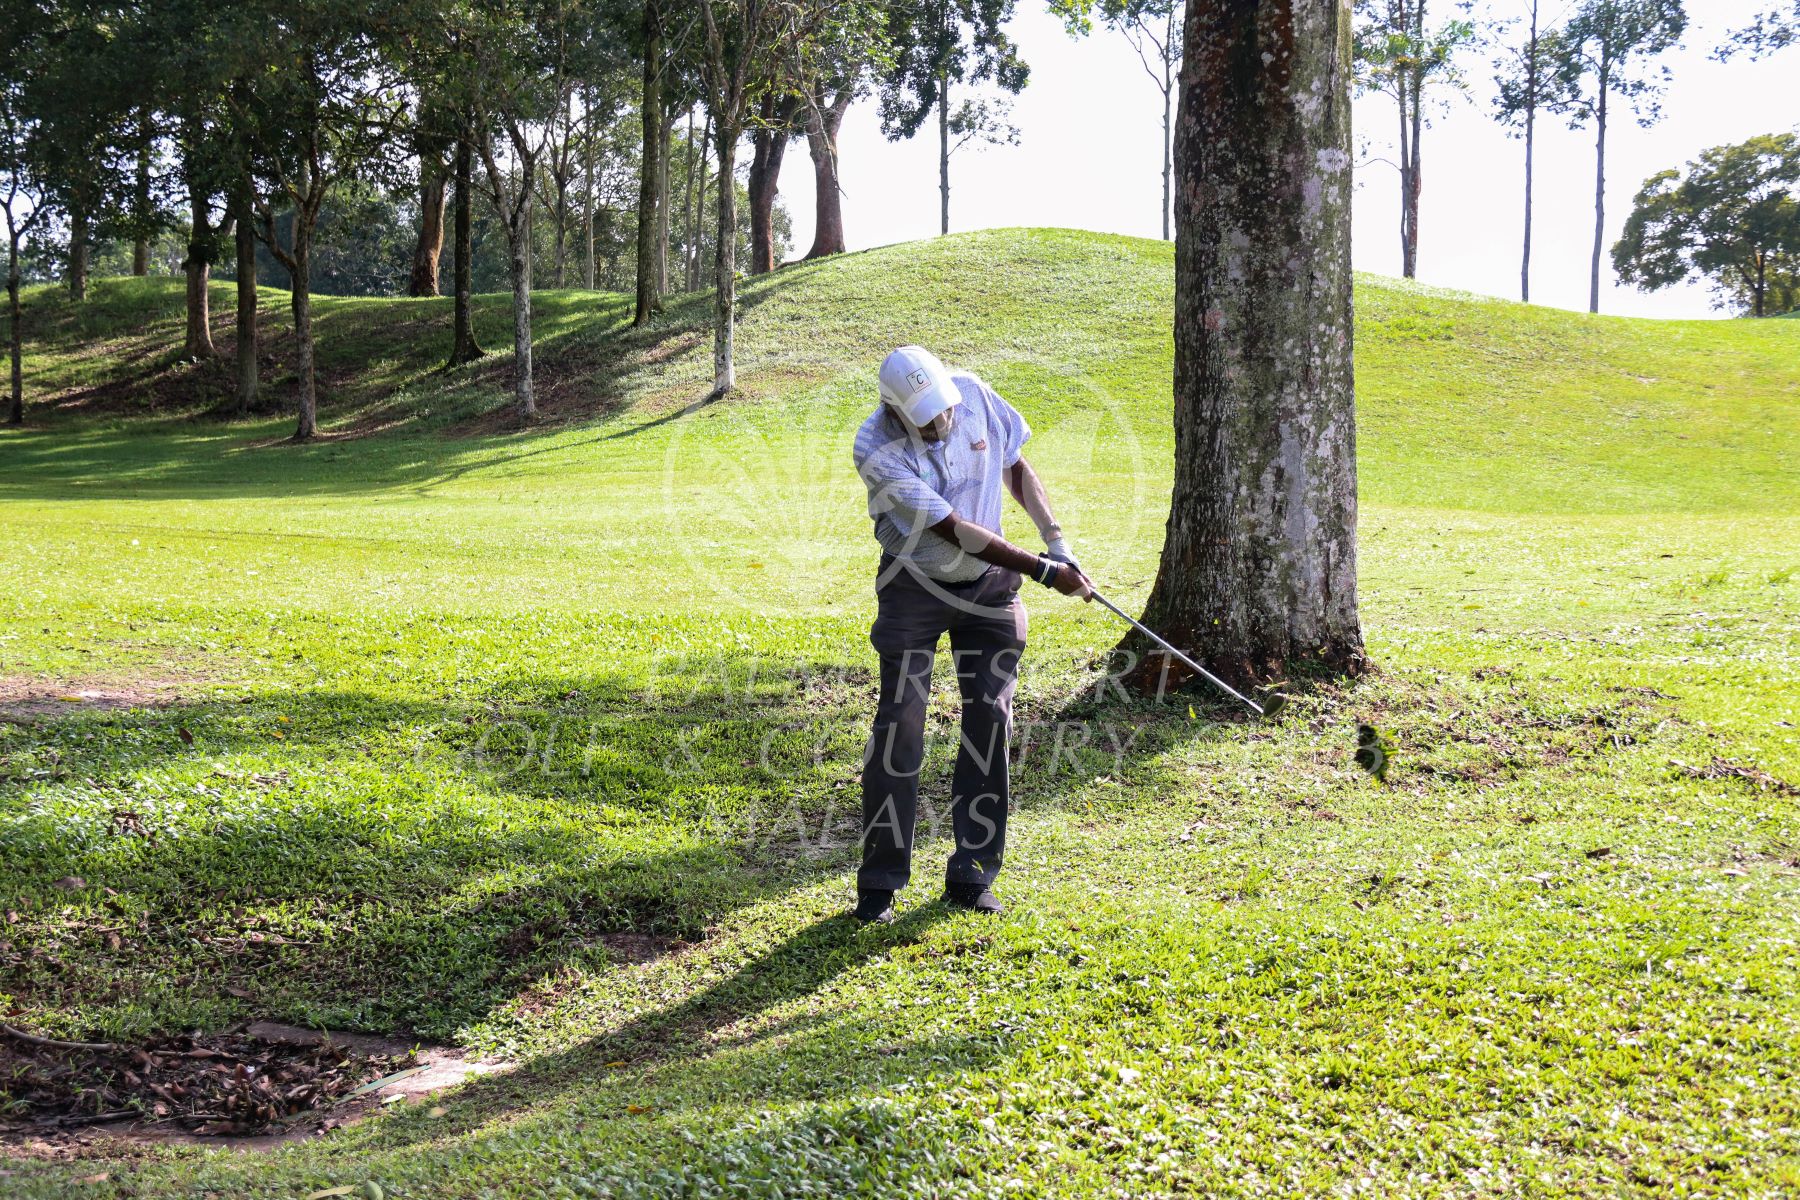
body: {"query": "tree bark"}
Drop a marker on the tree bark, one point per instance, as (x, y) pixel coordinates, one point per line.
(1531, 103)
(198, 267)
(1168, 152)
(1258, 571)
(429, 248)
(587, 199)
(650, 178)
(15, 339)
(520, 271)
(822, 125)
(301, 282)
(699, 259)
(463, 348)
(769, 148)
(725, 265)
(943, 154)
(140, 198)
(662, 203)
(1599, 191)
(78, 251)
(246, 300)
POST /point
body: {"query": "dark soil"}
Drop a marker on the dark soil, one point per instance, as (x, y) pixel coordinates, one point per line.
(207, 1084)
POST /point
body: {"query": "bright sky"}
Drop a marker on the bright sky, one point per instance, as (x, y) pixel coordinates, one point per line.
(1090, 158)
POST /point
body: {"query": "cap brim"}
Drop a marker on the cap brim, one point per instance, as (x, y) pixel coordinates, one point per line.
(928, 406)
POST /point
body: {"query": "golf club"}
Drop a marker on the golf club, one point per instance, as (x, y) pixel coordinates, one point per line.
(1274, 704)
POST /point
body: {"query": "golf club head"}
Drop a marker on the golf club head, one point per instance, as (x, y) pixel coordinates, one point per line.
(1272, 704)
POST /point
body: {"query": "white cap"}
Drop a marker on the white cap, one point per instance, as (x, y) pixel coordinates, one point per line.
(916, 383)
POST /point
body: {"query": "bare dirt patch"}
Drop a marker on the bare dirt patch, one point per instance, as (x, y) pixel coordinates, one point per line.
(256, 1086)
(27, 698)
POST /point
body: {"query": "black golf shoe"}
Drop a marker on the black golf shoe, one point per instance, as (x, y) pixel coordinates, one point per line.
(874, 907)
(973, 896)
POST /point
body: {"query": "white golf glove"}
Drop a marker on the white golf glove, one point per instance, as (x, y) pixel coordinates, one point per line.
(1057, 546)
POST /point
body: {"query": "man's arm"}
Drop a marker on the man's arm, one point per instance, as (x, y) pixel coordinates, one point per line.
(990, 547)
(1028, 490)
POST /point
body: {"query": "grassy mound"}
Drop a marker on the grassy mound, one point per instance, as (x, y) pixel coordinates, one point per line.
(545, 742)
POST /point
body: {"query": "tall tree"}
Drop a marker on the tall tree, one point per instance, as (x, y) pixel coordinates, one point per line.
(22, 198)
(1608, 52)
(827, 103)
(433, 146)
(938, 45)
(775, 124)
(1529, 83)
(463, 346)
(321, 106)
(1734, 219)
(209, 224)
(1399, 52)
(1154, 28)
(653, 170)
(1258, 569)
(748, 49)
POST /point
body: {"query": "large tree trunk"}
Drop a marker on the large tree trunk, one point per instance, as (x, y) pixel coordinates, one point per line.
(429, 248)
(463, 348)
(725, 266)
(246, 301)
(822, 125)
(199, 343)
(1258, 571)
(15, 339)
(78, 251)
(1599, 193)
(650, 178)
(769, 148)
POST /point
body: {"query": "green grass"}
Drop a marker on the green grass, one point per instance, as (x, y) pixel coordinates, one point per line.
(464, 699)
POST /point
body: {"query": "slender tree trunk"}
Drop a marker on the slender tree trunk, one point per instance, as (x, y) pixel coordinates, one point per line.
(650, 178)
(688, 235)
(1415, 177)
(140, 198)
(429, 248)
(464, 348)
(521, 289)
(1531, 104)
(1599, 193)
(943, 154)
(699, 261)
(587, 198)
(78, 251)
(246, 300)
(560, 259)
(1168, 163)
(1258, 572)
(1405, 169)
(725, 266)
(662, 203)
(301, 282)
(822, 125)
(770, 147)
(199, 343)
(1762, 283)
(15, 338)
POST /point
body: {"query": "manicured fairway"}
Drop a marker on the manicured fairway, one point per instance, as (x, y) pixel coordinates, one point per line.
(402, 730)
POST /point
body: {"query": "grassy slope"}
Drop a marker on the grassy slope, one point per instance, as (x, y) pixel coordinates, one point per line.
(462, 703)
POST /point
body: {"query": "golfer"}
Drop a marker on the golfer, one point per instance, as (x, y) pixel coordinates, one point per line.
(934, 456)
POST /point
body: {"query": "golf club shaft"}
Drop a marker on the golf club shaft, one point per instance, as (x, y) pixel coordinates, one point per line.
(1182, 658)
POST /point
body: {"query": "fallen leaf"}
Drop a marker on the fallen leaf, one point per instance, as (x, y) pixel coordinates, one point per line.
(634, 1109)
(75, 700)
(187, 737)
(1600, 852)
(102, 1177)
(436, 1110)
(326, 1193)
(70, 883)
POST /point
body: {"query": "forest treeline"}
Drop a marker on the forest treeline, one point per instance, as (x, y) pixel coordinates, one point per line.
(445, 146)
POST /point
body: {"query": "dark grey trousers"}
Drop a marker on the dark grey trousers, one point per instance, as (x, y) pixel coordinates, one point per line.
(987, 627)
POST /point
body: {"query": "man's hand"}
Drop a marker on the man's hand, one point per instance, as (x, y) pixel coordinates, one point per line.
(1071, 582)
